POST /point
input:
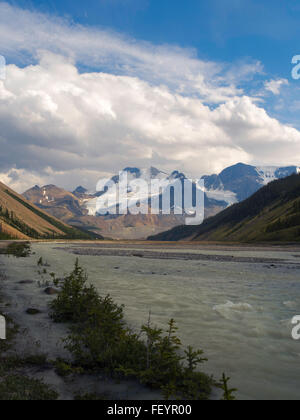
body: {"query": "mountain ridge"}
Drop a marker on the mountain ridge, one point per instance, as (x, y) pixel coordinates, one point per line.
(21, 219)
(78, 208)
(269, 215)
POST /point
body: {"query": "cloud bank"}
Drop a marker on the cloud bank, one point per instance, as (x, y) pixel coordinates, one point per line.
(133, 104)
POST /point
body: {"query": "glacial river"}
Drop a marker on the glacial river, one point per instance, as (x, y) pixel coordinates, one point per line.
(239, 313)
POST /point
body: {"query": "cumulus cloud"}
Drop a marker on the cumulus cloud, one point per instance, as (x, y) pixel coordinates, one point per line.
(275, 86)
(69, 128)
(80, 103)
(24, 33)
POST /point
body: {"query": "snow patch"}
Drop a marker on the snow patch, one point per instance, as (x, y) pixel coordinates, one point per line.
(267, 173)
(222, 195)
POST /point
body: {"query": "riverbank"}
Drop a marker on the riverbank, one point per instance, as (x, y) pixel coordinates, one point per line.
(165, 255)
(37, 344)
(239, 313)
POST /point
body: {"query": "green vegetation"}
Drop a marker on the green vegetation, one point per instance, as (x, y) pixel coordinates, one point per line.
(12, 220)
(290, 219)
(76, 299)
(87, 230)
(64, 369)
(100, 340)
(20, 387)
(23, 388)
(228, 393)
(17, 249)
(271, 214)
(15, 362)
(5, 236)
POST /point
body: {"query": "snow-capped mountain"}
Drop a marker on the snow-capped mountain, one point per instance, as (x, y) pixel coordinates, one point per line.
(106, 193)
(79, 208)
(136, 185)
(232, 185)
(238, 182)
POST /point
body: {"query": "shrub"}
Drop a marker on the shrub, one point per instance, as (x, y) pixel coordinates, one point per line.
(64, 368)
(228, 393)
(18, 249)
(163, 366)
(75, 300)
(100, 339)
(96, 340)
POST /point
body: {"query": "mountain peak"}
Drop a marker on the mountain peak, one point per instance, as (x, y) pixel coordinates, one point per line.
(80, 190)
(154, 171)
(133, 171)
(177, 175)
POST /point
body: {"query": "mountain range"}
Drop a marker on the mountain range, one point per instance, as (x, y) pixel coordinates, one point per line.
(272, 214)
(20, 219)
(78, 208)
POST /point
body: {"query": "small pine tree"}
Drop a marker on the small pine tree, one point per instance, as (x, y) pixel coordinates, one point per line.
(228, 393)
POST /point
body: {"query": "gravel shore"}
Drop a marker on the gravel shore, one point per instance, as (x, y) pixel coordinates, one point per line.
(164, 255)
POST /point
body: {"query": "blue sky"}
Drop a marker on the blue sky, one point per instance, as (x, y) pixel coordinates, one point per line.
(171, 81)
(220, 29)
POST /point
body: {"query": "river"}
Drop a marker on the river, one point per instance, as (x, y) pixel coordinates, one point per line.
(238, 312)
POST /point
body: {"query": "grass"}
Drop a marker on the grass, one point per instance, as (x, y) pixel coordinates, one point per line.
(17, 386)
(13, 362)
(23, 388)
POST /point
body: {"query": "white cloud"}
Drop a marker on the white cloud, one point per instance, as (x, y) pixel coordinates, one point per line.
(137, 104)
(24, 33)
(275, 86)
(72, 128)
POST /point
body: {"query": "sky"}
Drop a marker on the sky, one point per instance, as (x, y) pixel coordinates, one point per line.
(93, 87)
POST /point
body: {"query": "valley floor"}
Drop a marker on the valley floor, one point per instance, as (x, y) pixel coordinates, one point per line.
(235, 302)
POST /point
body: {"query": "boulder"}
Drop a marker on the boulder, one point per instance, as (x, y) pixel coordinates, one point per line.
(51, 291)
(33, 311)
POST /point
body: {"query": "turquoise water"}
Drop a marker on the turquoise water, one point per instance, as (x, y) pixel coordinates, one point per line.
(238, 313)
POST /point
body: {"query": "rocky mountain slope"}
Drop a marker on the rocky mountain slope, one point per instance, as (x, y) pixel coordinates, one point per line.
(57, 201)
(80, 207)
(238, 182)
(271, 214)
(20, 219)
